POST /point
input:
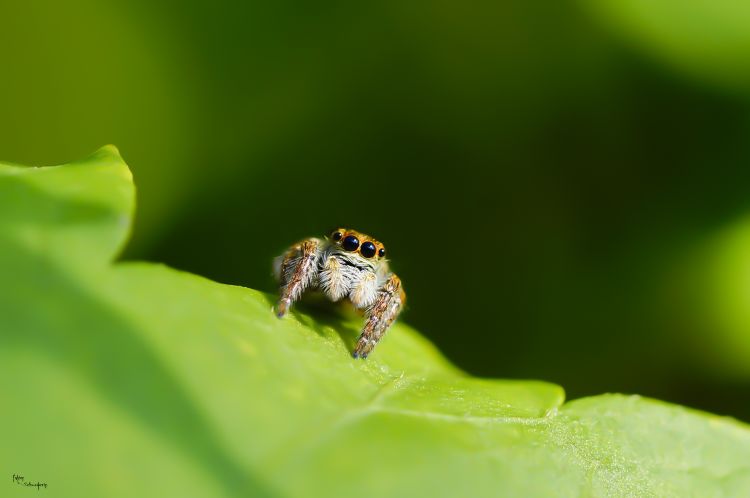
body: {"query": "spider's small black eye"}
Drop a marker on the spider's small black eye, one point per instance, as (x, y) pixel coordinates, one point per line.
(381, 252)
(351, 243)
(336, 235)
(368, 249)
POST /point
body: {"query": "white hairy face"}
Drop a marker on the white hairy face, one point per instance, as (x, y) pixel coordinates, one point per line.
(354, 265)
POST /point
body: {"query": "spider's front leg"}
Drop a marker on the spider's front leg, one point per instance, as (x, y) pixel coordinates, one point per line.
(297, 271)
(380, 316)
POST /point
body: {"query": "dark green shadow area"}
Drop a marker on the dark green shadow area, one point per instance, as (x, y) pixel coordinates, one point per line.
(324, 317)
(46, 311)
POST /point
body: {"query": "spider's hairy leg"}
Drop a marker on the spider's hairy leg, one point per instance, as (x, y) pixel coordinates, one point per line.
(380, 316)
(298, 269)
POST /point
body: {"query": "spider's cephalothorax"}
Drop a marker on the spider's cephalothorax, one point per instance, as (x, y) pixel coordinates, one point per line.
(346, 264)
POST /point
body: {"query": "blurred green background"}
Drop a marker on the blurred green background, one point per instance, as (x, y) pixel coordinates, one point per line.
(563, 187)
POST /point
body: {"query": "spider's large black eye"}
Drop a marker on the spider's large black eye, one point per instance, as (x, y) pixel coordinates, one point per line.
(351, 243)
(336, 235)
(367, 250)
(381, 252)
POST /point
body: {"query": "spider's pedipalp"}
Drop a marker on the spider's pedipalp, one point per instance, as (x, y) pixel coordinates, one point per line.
(365, 291)
(297, 271)
(380, 316)
(333, 278)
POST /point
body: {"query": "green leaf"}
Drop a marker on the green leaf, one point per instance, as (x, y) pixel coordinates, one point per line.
(134, 379)
(705, 39)
(717, 295)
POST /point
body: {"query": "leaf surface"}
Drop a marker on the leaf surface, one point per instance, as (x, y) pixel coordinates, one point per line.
(134, 379)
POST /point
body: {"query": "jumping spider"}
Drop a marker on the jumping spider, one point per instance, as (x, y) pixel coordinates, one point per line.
(348, 264)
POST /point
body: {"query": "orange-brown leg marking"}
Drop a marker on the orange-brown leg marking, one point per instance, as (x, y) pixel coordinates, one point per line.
(380, 316)
(297, 271)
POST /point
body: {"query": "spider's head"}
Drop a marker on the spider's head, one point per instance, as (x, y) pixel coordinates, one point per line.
(358, 243)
